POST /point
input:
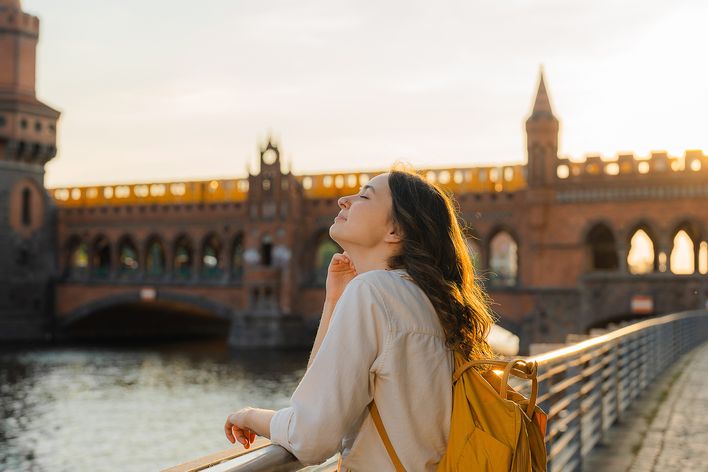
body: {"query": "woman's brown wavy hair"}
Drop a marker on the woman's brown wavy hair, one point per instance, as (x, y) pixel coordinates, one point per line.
(434, 253)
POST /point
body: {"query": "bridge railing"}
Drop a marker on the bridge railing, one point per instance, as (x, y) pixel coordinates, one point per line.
(584, 387)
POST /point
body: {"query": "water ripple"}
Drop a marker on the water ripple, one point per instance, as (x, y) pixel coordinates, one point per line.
(130, 409)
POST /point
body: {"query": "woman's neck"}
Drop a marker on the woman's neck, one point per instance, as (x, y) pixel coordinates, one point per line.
(365, 259)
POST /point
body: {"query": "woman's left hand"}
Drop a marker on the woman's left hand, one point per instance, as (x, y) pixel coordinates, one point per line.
(236, 428)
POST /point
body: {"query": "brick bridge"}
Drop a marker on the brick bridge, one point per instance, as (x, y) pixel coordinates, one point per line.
(561, 245)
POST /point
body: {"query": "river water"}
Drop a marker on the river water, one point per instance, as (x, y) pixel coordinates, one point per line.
(129, 408)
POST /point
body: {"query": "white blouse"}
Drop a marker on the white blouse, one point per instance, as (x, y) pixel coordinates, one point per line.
(384, 343)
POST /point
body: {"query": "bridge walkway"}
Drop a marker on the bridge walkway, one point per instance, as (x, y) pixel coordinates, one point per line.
(666, 428)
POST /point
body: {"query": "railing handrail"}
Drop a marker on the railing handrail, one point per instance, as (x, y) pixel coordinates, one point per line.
(585, 387)
(575, 348)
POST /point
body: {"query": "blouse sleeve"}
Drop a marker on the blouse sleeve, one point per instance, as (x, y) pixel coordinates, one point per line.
(337, 387)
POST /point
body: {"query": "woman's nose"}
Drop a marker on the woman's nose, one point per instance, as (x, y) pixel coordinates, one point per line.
(343, 202)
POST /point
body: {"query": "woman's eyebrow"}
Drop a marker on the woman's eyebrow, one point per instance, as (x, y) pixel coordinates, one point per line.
(363, 189)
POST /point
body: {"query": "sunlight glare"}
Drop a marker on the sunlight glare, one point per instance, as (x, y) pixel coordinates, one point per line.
(703, 258)
(640, 259)
(682, 254)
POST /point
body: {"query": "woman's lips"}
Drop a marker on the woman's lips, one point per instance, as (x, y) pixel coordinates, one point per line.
(339, 217)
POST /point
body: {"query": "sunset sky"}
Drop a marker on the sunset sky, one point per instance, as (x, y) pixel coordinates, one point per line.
(169, 89)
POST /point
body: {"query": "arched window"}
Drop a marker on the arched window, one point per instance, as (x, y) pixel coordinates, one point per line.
(266, 250)
(183, 260)
(324, 251)
(78, 257)
(128, 260)
(703, 258)
(603, 251)
(155, 257)
(237, 257)
(640, 259)
(26, 207)
(211, 252)
(682, 254)
(101, 257)
(503, 260)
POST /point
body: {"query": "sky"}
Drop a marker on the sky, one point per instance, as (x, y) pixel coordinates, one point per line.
(166, 90)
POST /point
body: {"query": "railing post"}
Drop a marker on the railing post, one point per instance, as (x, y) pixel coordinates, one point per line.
(543, 387)
(637, 368)
(622, 379)
(655, 348)
(675, 342)
(609, 391)
(644, 360)
(573, 391)
(665, 342)
(592, 405)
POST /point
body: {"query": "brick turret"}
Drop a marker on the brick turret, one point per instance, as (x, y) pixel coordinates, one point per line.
(542, 139)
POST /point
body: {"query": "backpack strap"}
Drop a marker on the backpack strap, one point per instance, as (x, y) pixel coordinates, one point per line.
(519, 367)
(384, 437)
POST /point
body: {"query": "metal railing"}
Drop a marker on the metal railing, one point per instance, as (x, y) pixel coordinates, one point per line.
(584, 387)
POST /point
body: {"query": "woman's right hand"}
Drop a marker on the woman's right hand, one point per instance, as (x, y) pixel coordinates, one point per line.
(340, 272)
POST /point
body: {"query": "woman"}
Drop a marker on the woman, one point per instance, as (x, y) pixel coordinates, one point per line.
(400, 299)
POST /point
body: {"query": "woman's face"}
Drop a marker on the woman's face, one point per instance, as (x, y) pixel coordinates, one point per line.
(364, 218)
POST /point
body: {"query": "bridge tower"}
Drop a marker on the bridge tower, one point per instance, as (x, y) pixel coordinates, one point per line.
(542, 139)
(27, 143)
(274, 218)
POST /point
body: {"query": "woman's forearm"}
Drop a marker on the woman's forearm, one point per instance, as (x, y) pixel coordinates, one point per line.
(242, 425)
(258, 420)
(327, 311)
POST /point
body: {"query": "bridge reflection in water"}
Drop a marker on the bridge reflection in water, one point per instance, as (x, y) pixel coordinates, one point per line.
(585, 387)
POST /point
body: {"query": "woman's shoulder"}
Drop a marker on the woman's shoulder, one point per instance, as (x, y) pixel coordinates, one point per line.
(409, 305)
(377, 284)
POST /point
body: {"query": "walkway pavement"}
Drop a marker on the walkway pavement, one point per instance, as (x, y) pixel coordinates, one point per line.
(667, 429)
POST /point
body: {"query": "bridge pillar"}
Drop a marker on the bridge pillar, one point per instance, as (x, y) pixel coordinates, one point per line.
(269, 330)
(115, 261)
(665, 247)
(622, 251)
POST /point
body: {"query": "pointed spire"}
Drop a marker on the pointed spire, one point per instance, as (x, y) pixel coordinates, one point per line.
(542, 105)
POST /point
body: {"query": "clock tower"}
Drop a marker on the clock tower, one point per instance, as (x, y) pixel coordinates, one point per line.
(275, 212)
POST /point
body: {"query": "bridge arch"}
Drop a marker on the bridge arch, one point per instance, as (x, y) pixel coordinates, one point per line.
(316, 255)
(183, 258)
(474, 247)
(601, 246)
(200, 306)
(211, 262)
(642, 263)
(685, 237)
(128, 256)
(155, 261)
(325, 248)
(101, 260)
(236, 264)
(75, 256)
(502, 256)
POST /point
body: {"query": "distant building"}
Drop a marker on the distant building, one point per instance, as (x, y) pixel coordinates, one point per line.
(561, 245)
(27, 142)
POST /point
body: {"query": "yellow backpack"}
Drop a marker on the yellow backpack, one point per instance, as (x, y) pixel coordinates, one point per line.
(493, 427)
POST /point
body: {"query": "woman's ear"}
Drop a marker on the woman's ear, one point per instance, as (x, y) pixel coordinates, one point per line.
(394, 235)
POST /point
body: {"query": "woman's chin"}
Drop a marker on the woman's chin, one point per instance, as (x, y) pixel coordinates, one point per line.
(337, 233)
(334, 230)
